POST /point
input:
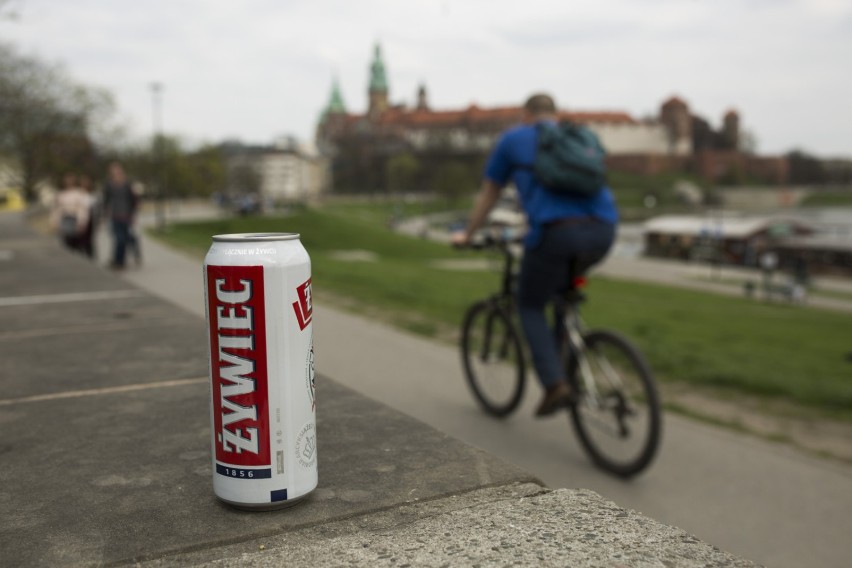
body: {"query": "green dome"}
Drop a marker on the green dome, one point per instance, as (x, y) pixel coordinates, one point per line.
(378, 79)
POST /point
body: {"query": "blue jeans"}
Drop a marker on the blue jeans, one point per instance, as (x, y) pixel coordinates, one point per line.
(121, 234)
(565, 251)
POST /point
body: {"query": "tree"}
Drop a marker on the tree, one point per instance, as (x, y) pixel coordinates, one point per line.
(804, 168)
(46, 119)
(208, 172)
(748, 142)
(402, 171)
(185, 173)
(243, 178)
(454, 178)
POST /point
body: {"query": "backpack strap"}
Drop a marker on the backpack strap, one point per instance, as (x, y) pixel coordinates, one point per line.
(539, 127)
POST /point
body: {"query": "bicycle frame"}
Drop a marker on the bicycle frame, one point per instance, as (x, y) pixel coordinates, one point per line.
(505, 297)
(569, 325)
(567, 315)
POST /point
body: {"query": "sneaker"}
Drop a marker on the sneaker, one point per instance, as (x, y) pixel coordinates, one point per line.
(556, 397)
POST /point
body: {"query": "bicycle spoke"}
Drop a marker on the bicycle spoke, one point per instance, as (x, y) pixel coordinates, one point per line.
(493, 359)
(617, 416)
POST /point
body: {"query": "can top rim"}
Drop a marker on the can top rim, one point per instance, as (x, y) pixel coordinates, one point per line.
(254, 237)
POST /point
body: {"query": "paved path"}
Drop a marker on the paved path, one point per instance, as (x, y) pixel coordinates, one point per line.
(105, 450)
(763, 501)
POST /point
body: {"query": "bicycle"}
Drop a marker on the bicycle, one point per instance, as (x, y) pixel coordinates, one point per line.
(615, 410)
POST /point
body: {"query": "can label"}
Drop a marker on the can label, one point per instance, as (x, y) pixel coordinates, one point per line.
(239, 367)
(304, 305)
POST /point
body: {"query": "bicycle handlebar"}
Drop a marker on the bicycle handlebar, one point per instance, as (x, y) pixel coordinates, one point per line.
(502, 243)
(489, 241)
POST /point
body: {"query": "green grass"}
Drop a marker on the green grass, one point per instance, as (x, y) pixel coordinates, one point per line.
(381, 211)
(758, 282)
(768, 349)
(402, 282)
(796, 353)
(828, 198)
(825, 293)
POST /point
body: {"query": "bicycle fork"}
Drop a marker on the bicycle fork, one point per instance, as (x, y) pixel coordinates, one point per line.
(580, 351)
(486, 353)
(577, 349)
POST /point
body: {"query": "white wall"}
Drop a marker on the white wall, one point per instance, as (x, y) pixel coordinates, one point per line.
(290, 176)
(640, 138)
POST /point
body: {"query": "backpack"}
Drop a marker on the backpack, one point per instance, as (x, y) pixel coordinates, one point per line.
(569, 159)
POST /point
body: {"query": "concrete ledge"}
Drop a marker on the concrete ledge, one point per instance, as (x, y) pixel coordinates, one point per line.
(514, 525)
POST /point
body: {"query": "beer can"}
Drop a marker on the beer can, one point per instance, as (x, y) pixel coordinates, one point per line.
(263, 403)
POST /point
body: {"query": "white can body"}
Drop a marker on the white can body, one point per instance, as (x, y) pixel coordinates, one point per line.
(263, 410)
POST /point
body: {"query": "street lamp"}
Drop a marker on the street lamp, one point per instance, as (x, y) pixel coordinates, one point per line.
(157, 107)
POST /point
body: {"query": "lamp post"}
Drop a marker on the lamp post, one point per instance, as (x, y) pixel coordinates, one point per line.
(157, 107)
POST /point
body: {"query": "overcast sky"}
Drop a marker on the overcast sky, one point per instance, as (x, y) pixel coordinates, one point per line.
(258, 69)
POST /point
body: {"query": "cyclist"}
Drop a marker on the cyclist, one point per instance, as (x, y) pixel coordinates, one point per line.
(566, 236)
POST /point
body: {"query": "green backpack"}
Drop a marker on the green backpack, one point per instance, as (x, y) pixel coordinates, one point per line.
(569, 159)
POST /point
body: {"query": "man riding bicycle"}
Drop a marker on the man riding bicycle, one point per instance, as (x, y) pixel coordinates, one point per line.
(567, 235)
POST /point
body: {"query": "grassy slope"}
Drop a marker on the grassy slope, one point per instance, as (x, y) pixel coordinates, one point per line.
(797, 353)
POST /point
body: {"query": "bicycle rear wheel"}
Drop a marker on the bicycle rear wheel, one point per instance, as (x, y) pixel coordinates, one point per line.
(493, 358)
(617, 416)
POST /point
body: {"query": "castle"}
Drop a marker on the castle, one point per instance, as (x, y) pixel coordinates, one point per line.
(361, 146)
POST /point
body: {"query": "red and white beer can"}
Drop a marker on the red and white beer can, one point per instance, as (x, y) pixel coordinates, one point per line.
(263, 404)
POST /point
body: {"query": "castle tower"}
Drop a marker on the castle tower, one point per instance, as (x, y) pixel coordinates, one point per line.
(731, 130)
(378, 90)
(422, 99)
(675, 117)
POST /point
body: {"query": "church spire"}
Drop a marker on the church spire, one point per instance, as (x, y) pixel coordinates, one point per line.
(335, 103)
(378, 90)
(335, 106)
(378, 79)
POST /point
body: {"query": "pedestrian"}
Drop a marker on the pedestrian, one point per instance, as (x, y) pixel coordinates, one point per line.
(567, 235)
(88, 239)
(120, 203)
(134, 245)
(71, 212)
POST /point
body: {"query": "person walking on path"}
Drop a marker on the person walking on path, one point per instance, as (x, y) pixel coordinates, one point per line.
(567, 235)
(71, 213)
(88, 239)
(120, 203)
(134, 244)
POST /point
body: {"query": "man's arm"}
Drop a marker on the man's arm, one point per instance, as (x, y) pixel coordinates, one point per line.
(488, 195)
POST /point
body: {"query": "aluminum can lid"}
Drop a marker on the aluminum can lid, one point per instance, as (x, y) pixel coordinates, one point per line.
(254, 237)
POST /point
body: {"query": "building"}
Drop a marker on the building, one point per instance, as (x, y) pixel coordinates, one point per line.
(283, 172)
(728, 237)
(360, 145)
(735, 239)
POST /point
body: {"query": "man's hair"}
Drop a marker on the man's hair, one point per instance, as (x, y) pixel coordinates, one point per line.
(540, 103)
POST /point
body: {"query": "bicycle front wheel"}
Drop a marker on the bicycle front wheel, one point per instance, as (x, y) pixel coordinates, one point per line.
(617, 416)
(493, 358)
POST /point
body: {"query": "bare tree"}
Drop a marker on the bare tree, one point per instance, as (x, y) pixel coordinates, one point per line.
(46, 119)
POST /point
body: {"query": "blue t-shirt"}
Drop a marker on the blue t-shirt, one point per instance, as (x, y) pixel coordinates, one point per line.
(517, 148)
